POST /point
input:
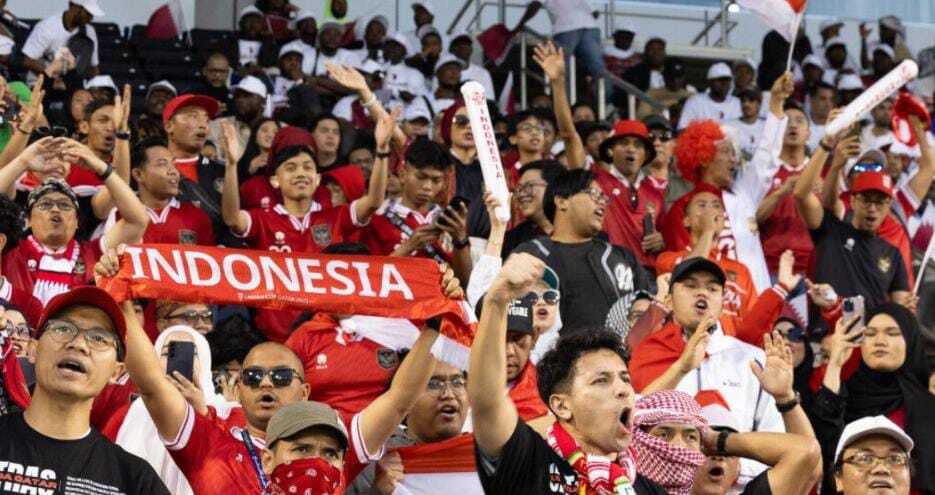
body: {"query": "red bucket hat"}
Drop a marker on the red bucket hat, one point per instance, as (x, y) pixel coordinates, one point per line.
(627, 128)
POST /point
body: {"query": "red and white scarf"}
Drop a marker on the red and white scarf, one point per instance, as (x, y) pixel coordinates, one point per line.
(54, 269)
(597, 474)
(670, 466)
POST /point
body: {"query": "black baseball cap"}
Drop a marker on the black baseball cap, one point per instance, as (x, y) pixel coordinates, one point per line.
(519, 315)
(697, 264)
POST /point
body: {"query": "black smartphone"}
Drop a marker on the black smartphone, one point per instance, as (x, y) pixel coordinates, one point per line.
(648, 227)
(454, 208)
(181, 359)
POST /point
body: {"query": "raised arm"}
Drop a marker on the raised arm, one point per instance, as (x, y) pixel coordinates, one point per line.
(102, 202)
(552, 60)
(493, 413)
(233, 216)
(36, 156)
(133, 221)
(368, 204)
(29, 117)
(922, 180)
(489, 263)
(806, 202)
(381, 418)
(165, 403)
(793, 458)
(755, 178)
(711, 227)
(350, 78)
(845, 149)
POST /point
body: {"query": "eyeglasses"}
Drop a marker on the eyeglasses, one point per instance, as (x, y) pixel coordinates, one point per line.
(549, 296)
(865, 460)
(873, 201)
(664, 136)
(63, 205)
(461, 120)
(193, 316)
(20, 331)
(597, 196)
(437, 385)
(529, 187)
(98, 339)
(794, 334)
(530, 128)
(281, 377)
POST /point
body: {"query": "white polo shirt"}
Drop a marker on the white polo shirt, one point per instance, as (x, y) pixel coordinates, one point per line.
(49, 34)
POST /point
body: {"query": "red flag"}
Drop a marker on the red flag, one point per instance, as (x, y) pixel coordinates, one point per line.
(781, 15)
(166, 22)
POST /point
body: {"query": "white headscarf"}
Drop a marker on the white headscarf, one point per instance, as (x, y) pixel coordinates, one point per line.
(138, 435)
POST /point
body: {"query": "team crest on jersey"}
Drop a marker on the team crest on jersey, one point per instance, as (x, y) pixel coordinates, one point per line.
(187, 237)
(884, 264)
(321, 234)
(624, 276)
(31, 265)
(80, 267)
(387, 358)
(321, 361)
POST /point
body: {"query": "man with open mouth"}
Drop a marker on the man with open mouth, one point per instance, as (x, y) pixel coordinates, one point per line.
(873, 458)
(50, 445)
(585, 383)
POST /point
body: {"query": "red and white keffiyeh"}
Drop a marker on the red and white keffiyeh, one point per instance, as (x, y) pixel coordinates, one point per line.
(670, 466)
(597, 474)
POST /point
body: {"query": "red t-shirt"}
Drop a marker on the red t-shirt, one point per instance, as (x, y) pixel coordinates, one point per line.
(624, 223)
(329, 356)
(785, 229)
(215, 459)
(382, 237)
(177, 223)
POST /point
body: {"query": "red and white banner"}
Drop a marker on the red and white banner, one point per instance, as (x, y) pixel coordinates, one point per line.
(781, 15)
(441, 467)
(392, 287)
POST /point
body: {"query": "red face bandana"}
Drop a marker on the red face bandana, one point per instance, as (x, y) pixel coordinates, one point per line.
(313, 476)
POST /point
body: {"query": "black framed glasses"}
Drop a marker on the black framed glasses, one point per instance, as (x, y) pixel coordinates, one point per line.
(529, 187)
(98, 339)
(22, 331)
(281, 377)
(597, 195)
(549, 296)
(48, 204)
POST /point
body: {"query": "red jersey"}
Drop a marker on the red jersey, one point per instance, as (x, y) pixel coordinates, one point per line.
(188, 168)
(216, 460)
(36, 270)
(739, 291)
(83, 182)
(383, 236)
(329, 351)
(629, 205)
(276, 229)
(785, 229)
(524, 392)
(178, 223)
(257, 192)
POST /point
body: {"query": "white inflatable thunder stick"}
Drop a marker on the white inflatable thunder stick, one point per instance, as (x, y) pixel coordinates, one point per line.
(881, 90)
(488, 153)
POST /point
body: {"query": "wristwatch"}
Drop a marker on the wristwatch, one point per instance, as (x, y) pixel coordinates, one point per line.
(106, 173)
(788, 406)
(461, 244)
(122, 135)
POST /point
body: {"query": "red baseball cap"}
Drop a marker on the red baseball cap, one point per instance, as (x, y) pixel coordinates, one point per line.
(624, 128)
(285, 138)
(872, 181)
(208, 103)
(88, 295)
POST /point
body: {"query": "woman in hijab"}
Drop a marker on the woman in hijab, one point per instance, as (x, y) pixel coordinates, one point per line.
(133, 429)
(667, 439)
(891, 379)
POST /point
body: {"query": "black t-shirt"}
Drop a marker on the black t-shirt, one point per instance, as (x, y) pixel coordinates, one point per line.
(758, 485)
(580, 292)
(34, 463)
(469, 181)
(527, 465)
(855, 262)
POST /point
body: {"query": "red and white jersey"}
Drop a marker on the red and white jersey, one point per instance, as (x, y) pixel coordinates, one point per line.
(382, 236)
(258, 192)
(216, 460)
(276, 229)
(785, 229)
(328, 351)
(628, 206)
(178, 223)
(37, 270)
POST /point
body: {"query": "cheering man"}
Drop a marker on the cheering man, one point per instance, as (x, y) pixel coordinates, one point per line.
(586, 385)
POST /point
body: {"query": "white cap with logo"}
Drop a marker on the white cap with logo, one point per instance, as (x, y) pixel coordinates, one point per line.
(872, 425)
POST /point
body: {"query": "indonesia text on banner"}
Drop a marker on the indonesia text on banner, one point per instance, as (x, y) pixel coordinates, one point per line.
(777, 14)
(367, 285)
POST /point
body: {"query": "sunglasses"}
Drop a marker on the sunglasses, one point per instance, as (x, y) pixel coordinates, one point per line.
(664, 136)
(281, 377)
(461, 120)
(549, 297)
(795, 334)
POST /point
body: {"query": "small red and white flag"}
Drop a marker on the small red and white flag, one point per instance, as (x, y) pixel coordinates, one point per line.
(166, 22)
(781, 15)
(441, 467)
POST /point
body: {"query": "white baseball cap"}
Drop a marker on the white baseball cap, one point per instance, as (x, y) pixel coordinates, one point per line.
(850, 82)
(91, 6)
(369, 66)
(102, 81)
(400, 38)
(253, 85)
(883, 47)
(413, 112)
(719, 70)
(249, 10)
(837, 40)
(448, 58)
(872, 425)
(812, 59)
(830, 23)
(164, 84)
(292, 47)
(303, 14)
(714, 408)
(6, 45)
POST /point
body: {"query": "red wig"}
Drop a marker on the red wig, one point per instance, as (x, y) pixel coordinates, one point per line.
(697, 145)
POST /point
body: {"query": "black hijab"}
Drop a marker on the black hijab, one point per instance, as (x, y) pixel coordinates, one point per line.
(871, 393)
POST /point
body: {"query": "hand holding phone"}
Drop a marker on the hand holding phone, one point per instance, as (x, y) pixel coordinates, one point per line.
(853, 307)
(182, 359)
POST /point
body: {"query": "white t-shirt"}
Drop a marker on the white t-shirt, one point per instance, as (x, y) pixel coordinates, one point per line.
(249, 51)
(342, 56)
(401, 77)
(701, 106)
(747, 136)
(869, 140)
(477, 73)
(342, 109)
(308, 55)
(656, 80)
(569, 15)
(817, 131)
(49, 34)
